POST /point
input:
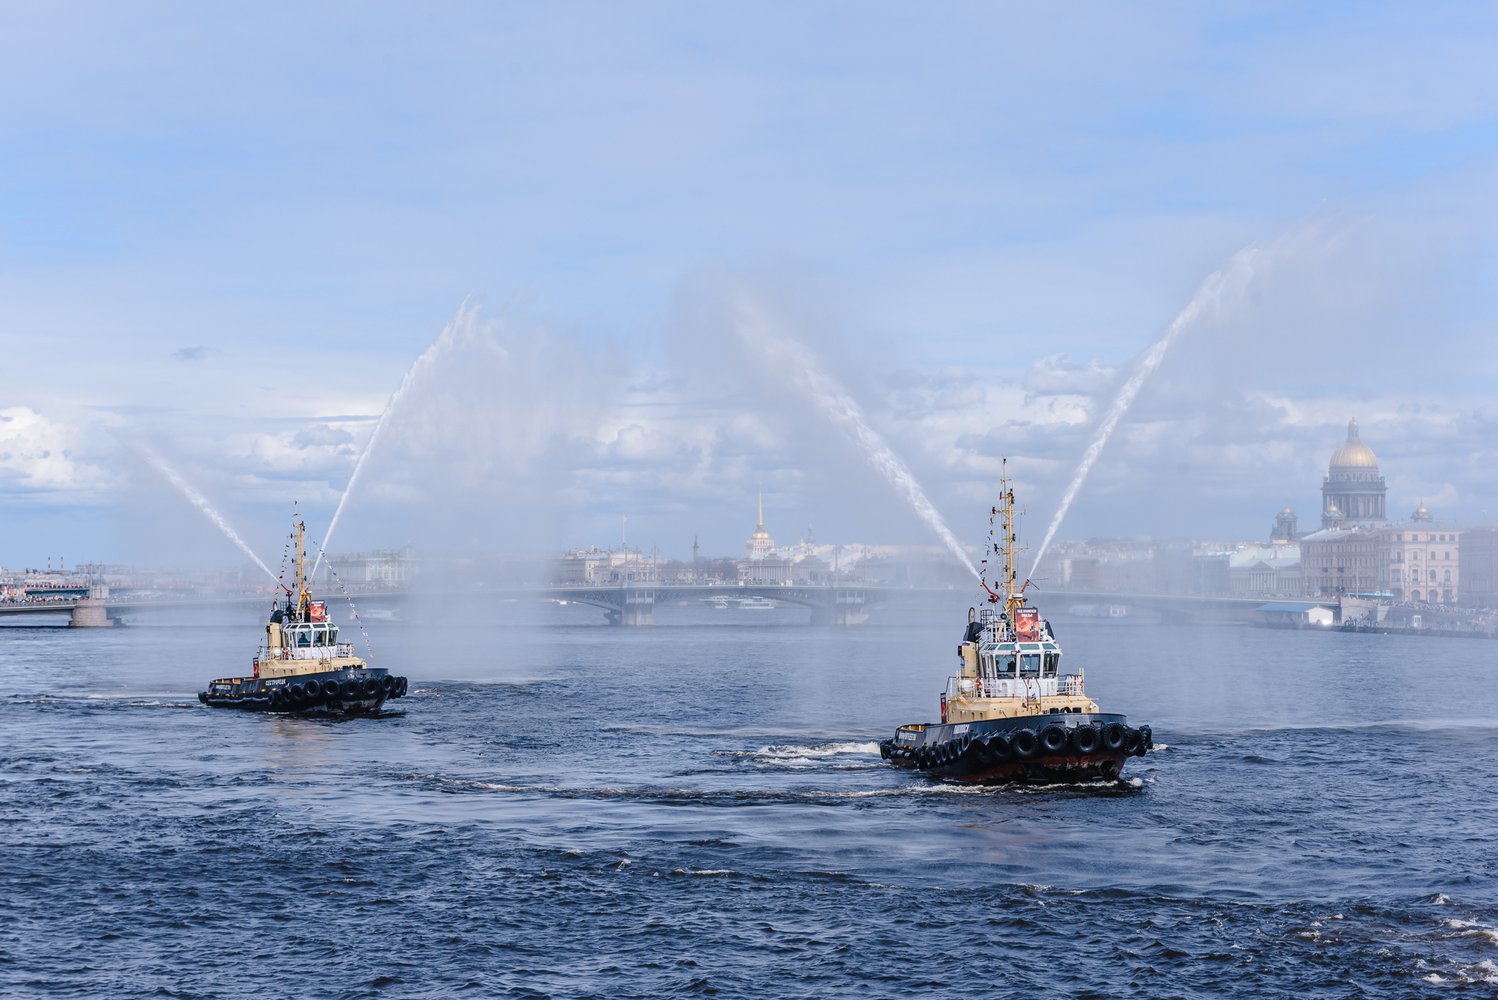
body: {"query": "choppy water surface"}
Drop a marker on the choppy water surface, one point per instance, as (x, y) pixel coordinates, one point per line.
(562, 808)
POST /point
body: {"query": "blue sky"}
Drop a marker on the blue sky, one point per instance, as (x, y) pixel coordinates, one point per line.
(228, 234)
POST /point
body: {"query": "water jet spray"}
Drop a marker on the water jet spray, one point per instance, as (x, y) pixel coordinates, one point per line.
(462, 320)
(832, 399)
(199, 501)
(1231, 278)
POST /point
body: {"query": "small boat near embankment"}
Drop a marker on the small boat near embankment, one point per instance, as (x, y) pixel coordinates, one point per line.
(302, 666)
(1009, 714)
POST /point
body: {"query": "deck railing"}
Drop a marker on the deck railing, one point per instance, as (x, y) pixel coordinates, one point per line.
(1070, 685)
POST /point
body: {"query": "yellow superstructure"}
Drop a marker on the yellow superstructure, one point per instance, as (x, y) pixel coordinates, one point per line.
(300, 640)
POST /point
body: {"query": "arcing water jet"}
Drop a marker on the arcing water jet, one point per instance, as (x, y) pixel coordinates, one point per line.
(1231, 278)
(462, 321)
(199, 501)
(832, 399)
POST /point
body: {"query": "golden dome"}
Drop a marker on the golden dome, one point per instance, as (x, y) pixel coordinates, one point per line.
(1352, 453)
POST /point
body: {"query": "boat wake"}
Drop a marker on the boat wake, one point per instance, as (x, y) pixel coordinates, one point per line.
(768, 796)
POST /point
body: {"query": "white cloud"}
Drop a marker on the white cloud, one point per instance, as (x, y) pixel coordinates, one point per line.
(37, 454)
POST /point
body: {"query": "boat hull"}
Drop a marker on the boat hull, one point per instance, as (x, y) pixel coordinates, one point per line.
(1054, 748)
(349, 691)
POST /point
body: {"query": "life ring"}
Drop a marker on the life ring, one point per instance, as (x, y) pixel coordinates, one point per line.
(1053, 739)
(1023, 743)
(1084, 739)
(1113, 737)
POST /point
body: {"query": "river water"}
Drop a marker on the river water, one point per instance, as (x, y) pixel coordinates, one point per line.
(561, 808)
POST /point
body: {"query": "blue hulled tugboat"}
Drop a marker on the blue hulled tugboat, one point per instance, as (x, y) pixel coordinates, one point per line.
(1010, 714)
(302, 666)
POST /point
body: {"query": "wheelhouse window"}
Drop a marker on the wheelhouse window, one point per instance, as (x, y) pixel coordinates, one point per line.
(1029, 664)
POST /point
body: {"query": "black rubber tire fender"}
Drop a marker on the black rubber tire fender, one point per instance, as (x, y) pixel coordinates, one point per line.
(387, 684)
(1113, 737)
(998, 747)
(1053, 738)
(1024, 743)
(981, 753)
(1085, 739)
(349, 689)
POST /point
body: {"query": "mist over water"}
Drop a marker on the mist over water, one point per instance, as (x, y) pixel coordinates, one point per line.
(200, 502)
(1220, 287)
(797, 362)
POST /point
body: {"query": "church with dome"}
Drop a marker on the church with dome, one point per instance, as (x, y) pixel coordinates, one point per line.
(1353, 491)
(1359, 551)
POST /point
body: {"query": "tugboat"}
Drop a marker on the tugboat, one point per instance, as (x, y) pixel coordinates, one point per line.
(302, 667)
(1010, 714)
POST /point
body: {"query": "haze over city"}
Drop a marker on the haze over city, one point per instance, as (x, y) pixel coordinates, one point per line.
(228, 243)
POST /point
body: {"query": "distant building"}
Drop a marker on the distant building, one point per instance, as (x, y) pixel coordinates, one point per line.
(1353, 492)
(1416, 560)
(763, 564)
(1336, 561)
(600, 567)
(760, 544)
(1265, 571)
(1423, 560)
(1284, 529)
(1478, 551)
(384, 569)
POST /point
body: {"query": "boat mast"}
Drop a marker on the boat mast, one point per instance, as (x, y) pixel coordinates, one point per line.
(304, 595)
(1012, 597)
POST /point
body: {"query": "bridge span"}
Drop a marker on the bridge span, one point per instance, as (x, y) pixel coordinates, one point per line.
(634, 604)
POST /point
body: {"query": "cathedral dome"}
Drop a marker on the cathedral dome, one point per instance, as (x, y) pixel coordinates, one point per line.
(1352, 453)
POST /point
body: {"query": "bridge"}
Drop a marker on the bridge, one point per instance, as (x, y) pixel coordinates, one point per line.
(634, 604)
(631, 604)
